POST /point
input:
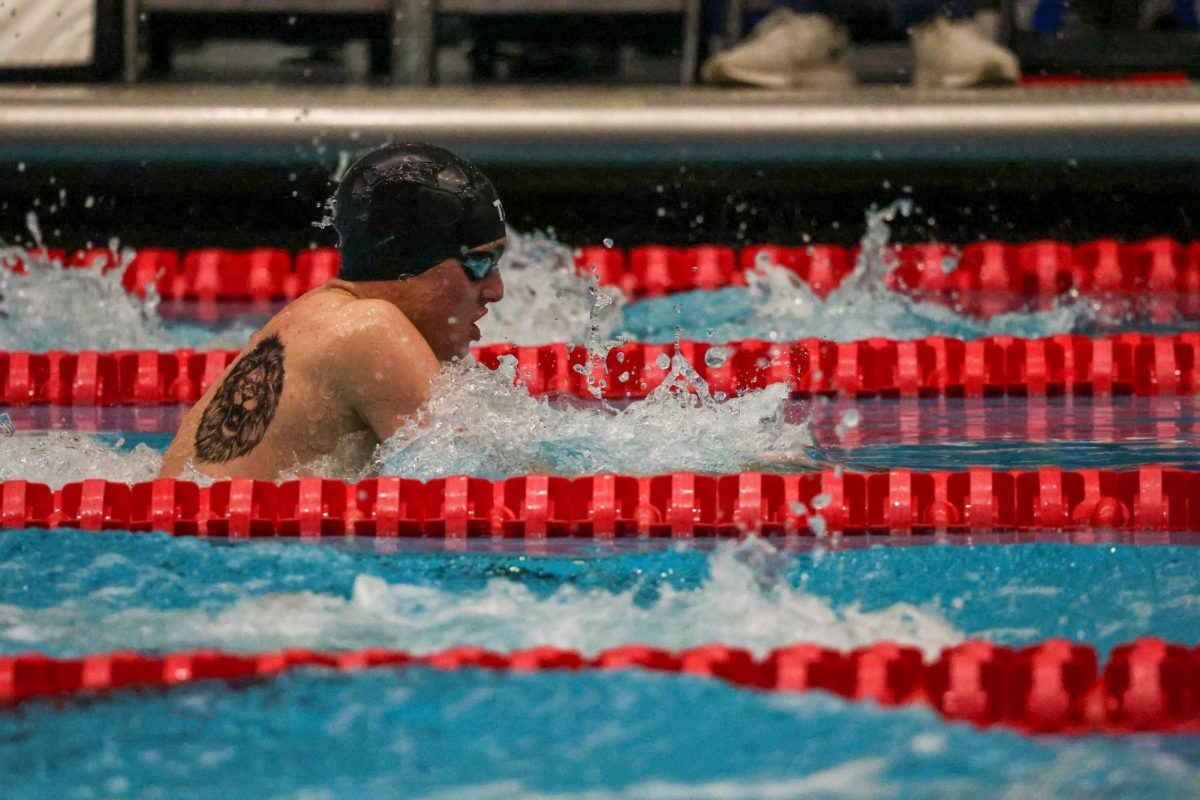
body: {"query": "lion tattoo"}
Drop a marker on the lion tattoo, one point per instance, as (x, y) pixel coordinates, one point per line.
(242, 409)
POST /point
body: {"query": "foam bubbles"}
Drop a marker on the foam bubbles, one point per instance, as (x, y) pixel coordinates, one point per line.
(745, 601)
(60, 457)
(54, 307)
(546, 300)
(777, 305)
(478, 423)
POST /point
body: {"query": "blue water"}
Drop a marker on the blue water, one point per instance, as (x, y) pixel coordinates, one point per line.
(418, 733)
(475, 734)
(736, 313)
(147, 591)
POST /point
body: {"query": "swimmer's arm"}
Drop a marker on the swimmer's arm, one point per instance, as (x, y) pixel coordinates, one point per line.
(385, 369)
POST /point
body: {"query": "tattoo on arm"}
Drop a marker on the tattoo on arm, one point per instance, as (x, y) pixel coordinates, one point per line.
(242, 409)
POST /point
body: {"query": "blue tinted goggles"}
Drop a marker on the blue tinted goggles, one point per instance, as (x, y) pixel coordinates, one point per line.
(479, 265)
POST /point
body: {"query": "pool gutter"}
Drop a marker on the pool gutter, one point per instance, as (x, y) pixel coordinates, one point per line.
(631, 126)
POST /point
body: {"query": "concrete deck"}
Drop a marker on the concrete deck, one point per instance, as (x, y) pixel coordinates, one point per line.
(547, 126)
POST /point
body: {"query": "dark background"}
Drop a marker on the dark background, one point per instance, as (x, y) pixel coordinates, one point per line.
(238, 205)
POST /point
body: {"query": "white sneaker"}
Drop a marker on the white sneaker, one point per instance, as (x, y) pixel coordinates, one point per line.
(956, 55)
(786, 50)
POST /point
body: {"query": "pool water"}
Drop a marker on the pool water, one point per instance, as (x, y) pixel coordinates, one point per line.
(479, 734)
(546, 300)
(148, 591)
(485, 428)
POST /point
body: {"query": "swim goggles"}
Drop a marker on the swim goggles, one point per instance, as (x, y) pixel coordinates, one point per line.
(479, 265)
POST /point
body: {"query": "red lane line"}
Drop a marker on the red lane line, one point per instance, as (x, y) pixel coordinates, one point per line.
(1055, 686)
(1041, 268)
(536, 508)
(1065, 364)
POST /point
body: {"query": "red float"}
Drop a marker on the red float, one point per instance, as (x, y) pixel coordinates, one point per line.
(1040, 269)
(1123, 364)
(1052, 687)
(680, 505)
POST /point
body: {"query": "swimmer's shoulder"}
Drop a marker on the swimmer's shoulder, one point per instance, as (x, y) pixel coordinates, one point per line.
(369, 330)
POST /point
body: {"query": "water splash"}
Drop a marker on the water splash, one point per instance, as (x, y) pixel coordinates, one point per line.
(52, 306)
(55, 307)
(60, 457)
(546, 300)
(477, 422)
(739, 603)
(777, 305)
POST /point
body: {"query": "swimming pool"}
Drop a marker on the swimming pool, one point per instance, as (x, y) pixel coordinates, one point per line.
(591, 734)
(844, 583)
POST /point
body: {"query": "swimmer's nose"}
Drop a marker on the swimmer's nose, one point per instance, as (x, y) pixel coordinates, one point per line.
(492, 290)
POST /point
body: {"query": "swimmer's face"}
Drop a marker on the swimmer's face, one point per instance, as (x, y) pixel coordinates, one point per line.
(453, 300)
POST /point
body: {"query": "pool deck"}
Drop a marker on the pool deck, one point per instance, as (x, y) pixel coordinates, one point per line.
(598, 125)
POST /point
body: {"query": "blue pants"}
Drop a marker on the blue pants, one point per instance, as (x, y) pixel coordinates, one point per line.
(904, 13)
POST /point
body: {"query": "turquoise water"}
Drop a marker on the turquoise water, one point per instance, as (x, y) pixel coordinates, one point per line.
(474, 734)
(477, 735)
(150, 592)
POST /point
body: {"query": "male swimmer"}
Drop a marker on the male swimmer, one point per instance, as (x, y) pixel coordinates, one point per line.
(421, 232)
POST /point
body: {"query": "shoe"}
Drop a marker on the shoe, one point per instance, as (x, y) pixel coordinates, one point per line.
(956, 55)
(786, 50)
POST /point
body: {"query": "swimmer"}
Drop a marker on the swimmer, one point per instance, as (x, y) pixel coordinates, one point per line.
(421, 233)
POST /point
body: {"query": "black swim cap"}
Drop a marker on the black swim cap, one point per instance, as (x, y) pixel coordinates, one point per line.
(407, 207)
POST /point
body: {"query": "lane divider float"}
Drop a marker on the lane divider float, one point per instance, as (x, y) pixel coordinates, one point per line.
(1055, 686)
(1066, 364)
(682, 505)
(1040, 268)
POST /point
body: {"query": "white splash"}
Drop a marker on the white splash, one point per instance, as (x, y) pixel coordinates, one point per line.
(863, 306)
(55, 307)
(777, 305)
(479, 423)
(546, 300)
(746, 601)
(856, 779)
(60, 457)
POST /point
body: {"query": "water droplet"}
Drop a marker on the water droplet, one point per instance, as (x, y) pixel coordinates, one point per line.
(816, 524)
(716, 357)
(663, 361)
(821, 501)
(608, 242)
(851, 418)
